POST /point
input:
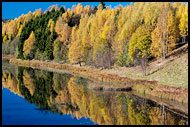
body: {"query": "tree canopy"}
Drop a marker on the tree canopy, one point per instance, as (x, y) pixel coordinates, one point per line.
(99, 36)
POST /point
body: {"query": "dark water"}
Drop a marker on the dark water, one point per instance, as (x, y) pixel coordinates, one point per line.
(33, 96)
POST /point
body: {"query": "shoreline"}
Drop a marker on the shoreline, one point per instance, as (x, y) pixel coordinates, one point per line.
(118, 83)
(8, 57)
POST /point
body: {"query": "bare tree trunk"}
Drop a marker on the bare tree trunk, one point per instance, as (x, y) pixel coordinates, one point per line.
(109, 57)
(166, 48)
(146, 62)
(102, 61)
(80, 63)
(164, 115)
(143, 65)
(163, 20)
(164, 51)
(184, 39)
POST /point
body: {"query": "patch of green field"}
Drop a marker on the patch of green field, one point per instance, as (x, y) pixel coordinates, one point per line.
(174, 73)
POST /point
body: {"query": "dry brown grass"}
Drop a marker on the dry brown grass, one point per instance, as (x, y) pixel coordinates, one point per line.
(7, 56)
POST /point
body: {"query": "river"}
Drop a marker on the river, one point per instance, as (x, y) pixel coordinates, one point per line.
(40, 97)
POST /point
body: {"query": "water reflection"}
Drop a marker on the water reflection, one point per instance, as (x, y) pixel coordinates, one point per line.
(65, 94)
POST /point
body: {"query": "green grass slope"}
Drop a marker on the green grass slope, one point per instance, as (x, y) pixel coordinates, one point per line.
(170, 71)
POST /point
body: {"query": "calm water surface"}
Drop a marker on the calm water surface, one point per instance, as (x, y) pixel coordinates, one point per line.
(38, 97)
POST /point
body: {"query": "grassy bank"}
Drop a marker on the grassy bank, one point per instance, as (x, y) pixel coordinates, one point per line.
(113, 80)
(173, 71)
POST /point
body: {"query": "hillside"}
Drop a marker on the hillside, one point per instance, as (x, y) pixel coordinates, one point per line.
(171, 71)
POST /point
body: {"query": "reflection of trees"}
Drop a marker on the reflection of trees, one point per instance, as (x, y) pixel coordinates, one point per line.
(9, 79)
(117, 108)
(43, 91)
(60, 82)
(122, 109)
(28, 81)
(157, 117)
(10, 82)
(170, 119)
(79, 96)
(137, 116)
(103, 109)
(24, 91)
(43, 86)
(64, 94)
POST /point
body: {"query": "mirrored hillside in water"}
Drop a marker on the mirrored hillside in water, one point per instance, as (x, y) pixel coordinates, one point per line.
(64, 94)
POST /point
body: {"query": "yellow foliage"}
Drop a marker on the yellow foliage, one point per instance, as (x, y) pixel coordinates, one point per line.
(4, 39)
(156, 116)
(76, 52)
(78, 9)
(106, 29)
(20, 30)
(87, 9)
(86, 38)
(12, 28)
(66, 17)
(83, 22)
(37, 12)
(165, 35)
(93, 29)
(98, 46)
(28, 82)
(183, 26)
(28, 17)
(73, 34)
(51, 25)
(140, 42)
(4, 28)
(59, 26)
(156, 46)
(28, 44)
(180, 11)
(10, 82)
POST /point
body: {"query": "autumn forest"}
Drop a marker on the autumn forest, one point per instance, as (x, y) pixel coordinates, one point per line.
(95, 63)
(98, 36)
